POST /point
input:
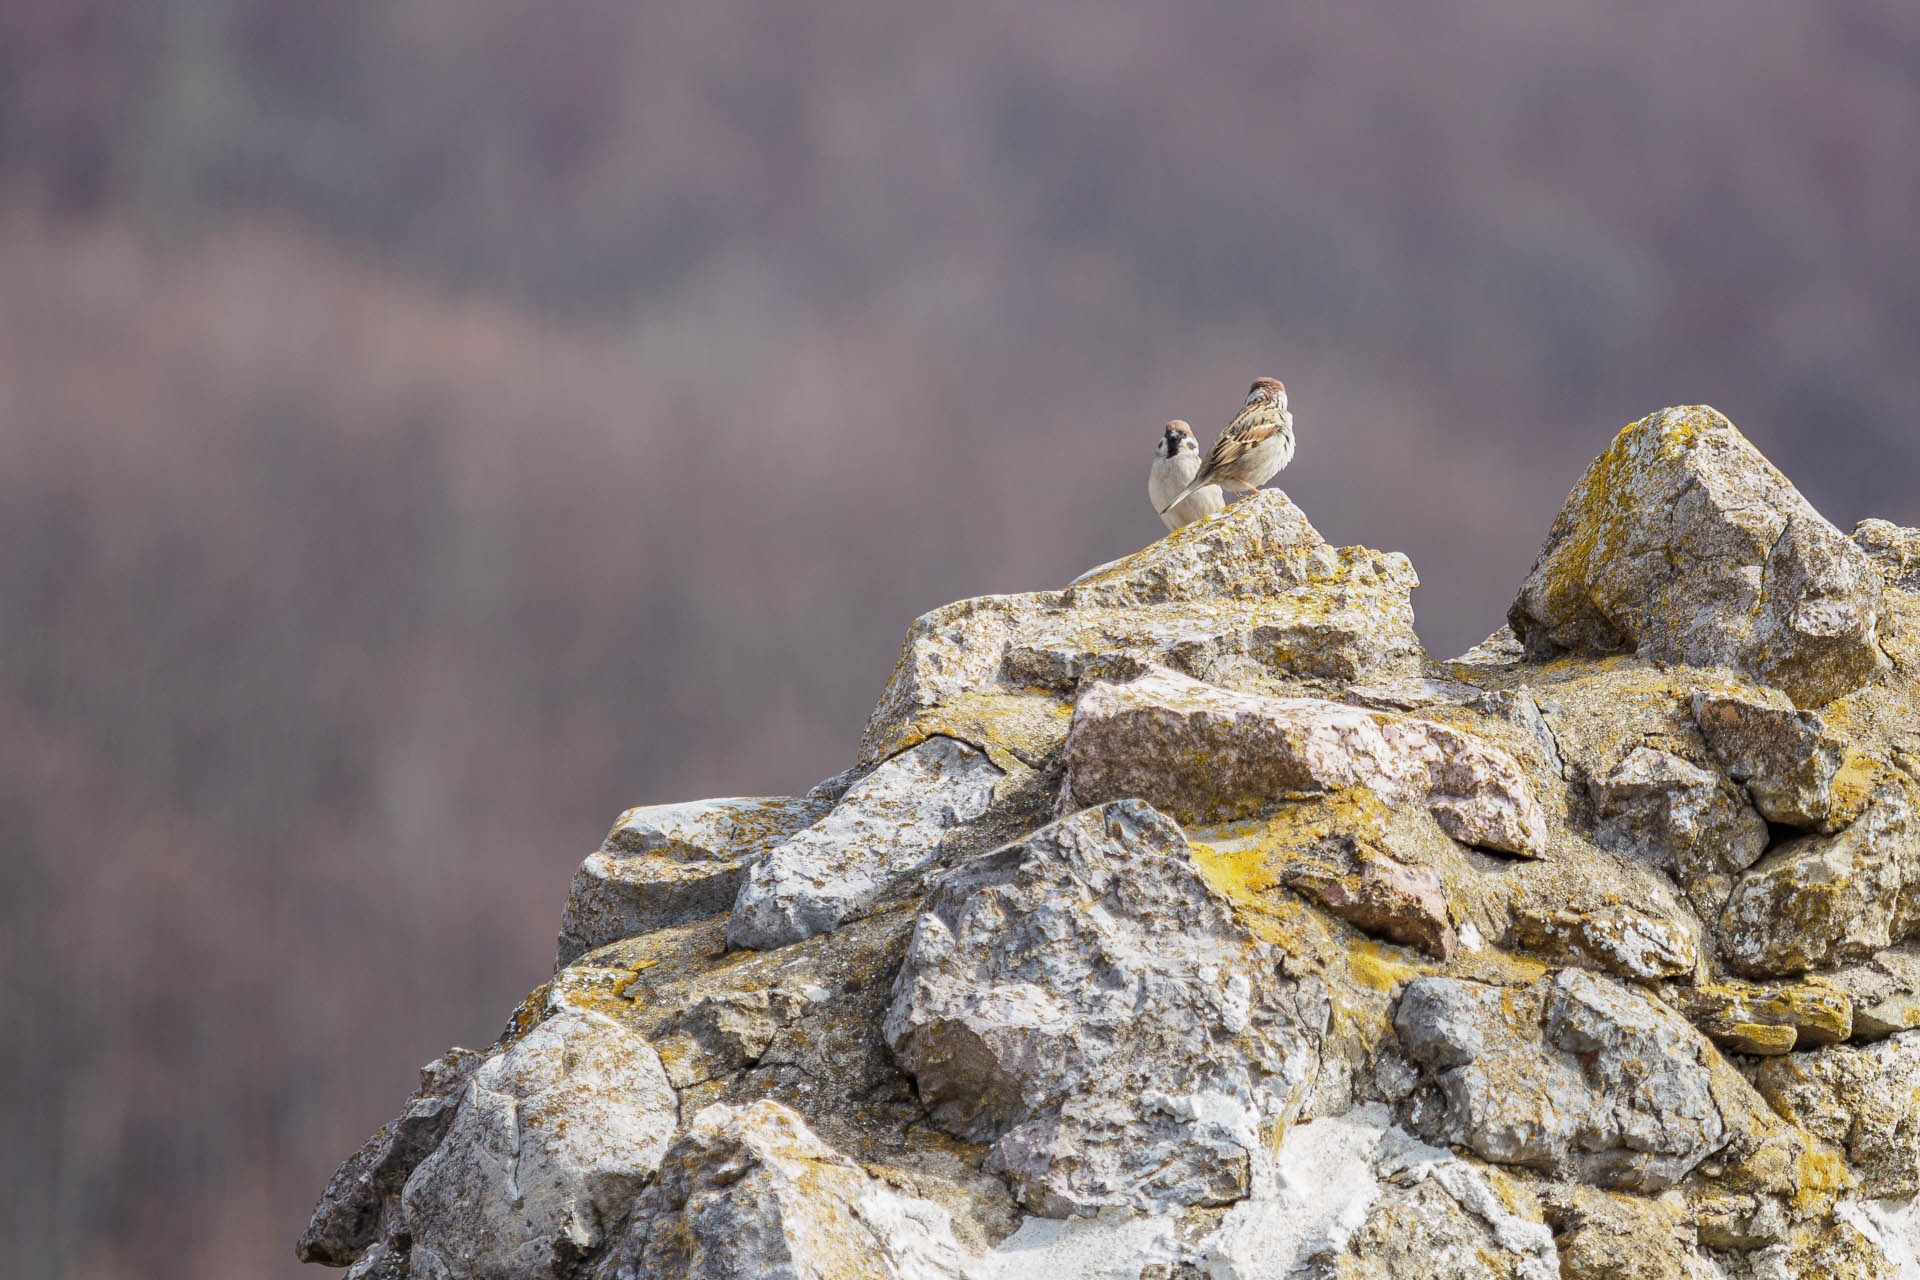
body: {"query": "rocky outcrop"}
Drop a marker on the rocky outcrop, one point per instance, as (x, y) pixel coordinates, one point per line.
(361, 1202)
(1682, 544)
(1189, 921)
(1247, 599)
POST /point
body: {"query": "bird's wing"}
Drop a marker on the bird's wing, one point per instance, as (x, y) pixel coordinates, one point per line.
(1254, 426)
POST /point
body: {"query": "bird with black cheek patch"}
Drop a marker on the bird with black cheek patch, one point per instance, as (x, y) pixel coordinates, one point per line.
(1256, 446)
(1176, 459)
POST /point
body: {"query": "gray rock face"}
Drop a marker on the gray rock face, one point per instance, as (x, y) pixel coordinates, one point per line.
(751, 1192)
(1864, 1100)
(1252, 596)
(672, 864)
(552, 1141)
(1684, 544)
(1085, 1003)
(1785, 758)
(1574, 1076)
(1823, 901)
(360, 1201)
(887, 828)
(1679, 817)
(1212, 755)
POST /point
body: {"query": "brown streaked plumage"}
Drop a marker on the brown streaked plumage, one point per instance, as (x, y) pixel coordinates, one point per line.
(1256, 446)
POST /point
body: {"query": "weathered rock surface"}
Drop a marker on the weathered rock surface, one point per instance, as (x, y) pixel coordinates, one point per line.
(672, 864)
(1863, 1099)
(887, 827)
(553, 1139)
(1574, 1076)
(1084, 1002)
(1884, 992)
(1248, 598)
(1616, 940)
(752, 1192)
(1389, 899)
(1211, 755)
(1785, 758)
(1168, 927)
(1679, 816)
(1683, 544)
(1895, 551)
(1823, 901)
(1767, 1020)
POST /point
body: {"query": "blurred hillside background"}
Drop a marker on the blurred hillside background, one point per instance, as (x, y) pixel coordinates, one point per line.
(428, 427)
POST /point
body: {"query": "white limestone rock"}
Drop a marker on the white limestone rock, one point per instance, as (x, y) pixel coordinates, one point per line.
(886, 830)
(553, 1139)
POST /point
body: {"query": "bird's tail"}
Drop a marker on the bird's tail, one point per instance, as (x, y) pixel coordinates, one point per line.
(1185, 493)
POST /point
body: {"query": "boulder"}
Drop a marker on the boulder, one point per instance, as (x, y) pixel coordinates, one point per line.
(1863, 1099)
(751, 1191)
(668, 865)
(887, 829)
(1683, 544)
(1086, 1004)
(1574, 1076)
(1785, 758)
(552, 1140)
(1213, 755)
(1823, 901)
(1676, 815)
(1251, 596)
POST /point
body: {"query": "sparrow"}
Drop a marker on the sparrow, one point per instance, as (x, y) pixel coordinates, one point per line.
(1256, 446)
(1176, 457)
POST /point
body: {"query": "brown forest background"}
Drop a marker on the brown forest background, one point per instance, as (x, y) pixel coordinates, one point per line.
(430, 426)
